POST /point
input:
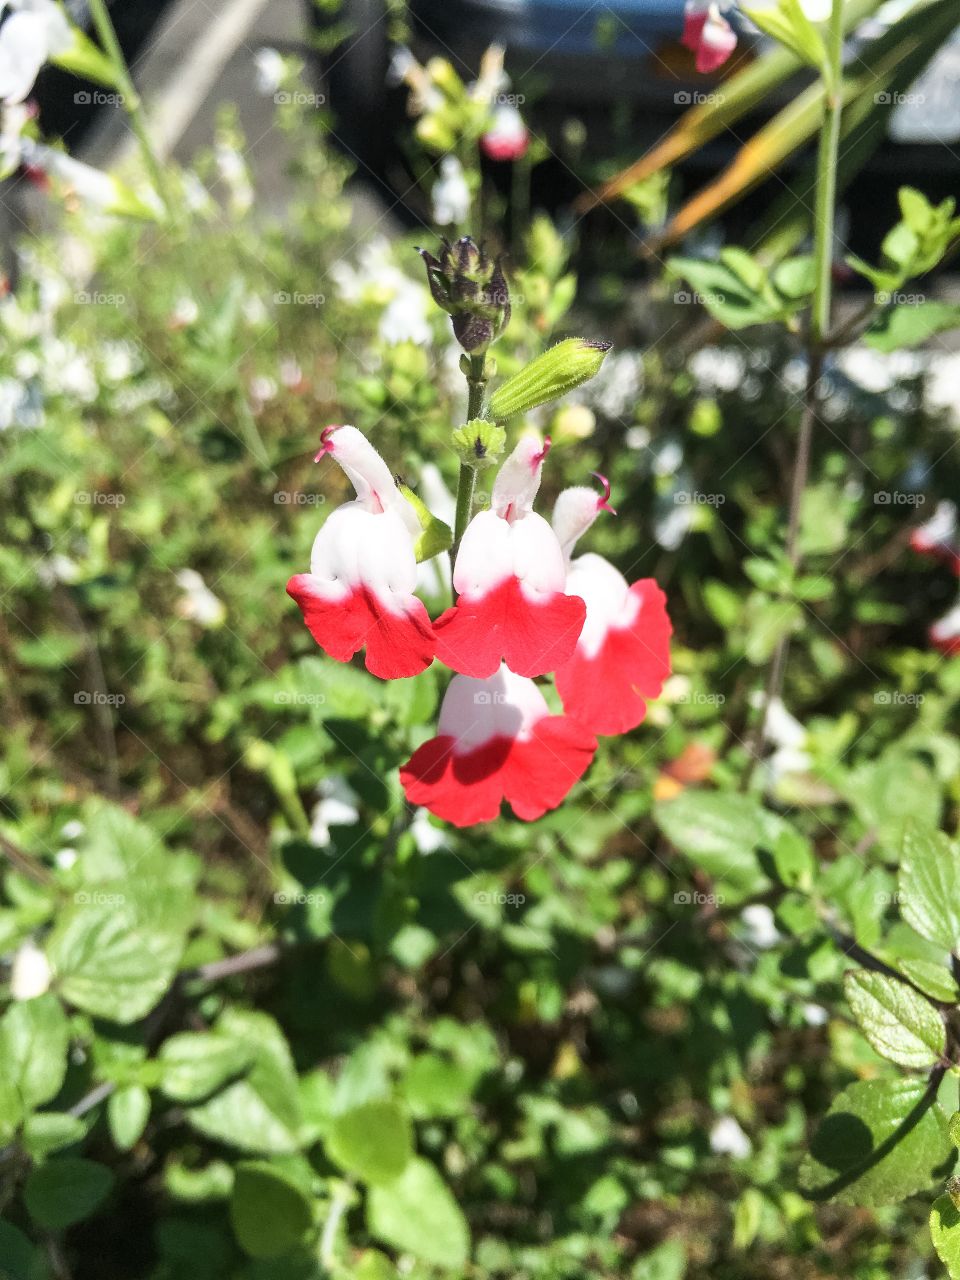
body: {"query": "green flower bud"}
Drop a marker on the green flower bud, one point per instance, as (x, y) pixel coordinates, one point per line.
(565, 366)
(478, 443)
(473, 291)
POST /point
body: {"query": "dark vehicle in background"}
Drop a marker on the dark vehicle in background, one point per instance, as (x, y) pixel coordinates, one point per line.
(620, 71)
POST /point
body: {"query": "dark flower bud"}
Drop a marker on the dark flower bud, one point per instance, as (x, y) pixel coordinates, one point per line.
(472, 289)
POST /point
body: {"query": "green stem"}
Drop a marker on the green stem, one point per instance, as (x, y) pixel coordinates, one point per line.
(467, 481)
(823, 223)
(826, 189)
(107, 36)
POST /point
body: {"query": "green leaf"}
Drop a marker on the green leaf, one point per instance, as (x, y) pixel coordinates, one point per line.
(195, 1064)
(908, 325)
(34, 1037)
(373, 1141)
(787, 23)
(719, 832)
(269, 1212)
(929, 884)
(21, 1259)
(722, 292)
(128, 1110)
(417, 1213)
(260, 1112)
(108, 959)
(945, 1234)
(667, 1262)
(47, 1131)
(899, 1023)
(66, 1190)
(881, 1141)
(84, 59)
(794, 860)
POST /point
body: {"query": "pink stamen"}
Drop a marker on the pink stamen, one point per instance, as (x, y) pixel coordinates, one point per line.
(326, 441)
(538, 458)
(603, 502)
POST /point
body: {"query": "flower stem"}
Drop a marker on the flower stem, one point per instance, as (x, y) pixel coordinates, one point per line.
(467, 482)
(823, 224)
(107, 36)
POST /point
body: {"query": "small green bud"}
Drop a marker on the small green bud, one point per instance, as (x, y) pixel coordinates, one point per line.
(953, 1191)
(435, 536)
(478, 443)
(567, 365)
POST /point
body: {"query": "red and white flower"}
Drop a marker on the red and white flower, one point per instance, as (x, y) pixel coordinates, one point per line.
(510, 578)
(359, 592)
(497, 741)
(622, 656)
(708, 34)
(508, 137)
(945, 634)
(940, 536)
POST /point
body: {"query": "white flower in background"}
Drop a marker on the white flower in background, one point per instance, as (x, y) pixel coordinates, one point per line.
(337, 807)
(667, 458)
(376, 280)
(405, 69)
(815, 1015)
(12, 120)
(254, 311)
(235, 176)
(943, 383)
(450, 194)
(11, 395)
(672, 524)
(427, 837)
(198, 603)
(492, 80)
(291, 375)
(728, 1139)
(56, 569)
(185, 313)
(72, 830)
(270, 70)
(33, 32)
(760, 930)
(788, 737)
(65, 858)
(30, 972)
(69, 372)
(120, 361)
(262, 389)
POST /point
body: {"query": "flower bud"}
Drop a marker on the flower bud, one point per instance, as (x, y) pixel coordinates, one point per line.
(435, 535)
(472, 289)
(479, 443)
(565, 366)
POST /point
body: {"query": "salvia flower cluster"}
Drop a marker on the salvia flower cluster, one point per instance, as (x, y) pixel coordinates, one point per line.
(525, 606)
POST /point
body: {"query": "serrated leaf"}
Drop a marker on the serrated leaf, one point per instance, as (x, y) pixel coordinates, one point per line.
(373, 1141)
(34, 1036)
(899, 1023)
(929, 884)
(417, 1213)
(945, 1234)
(881, 1141)
(194, 1065)
(719, 832)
